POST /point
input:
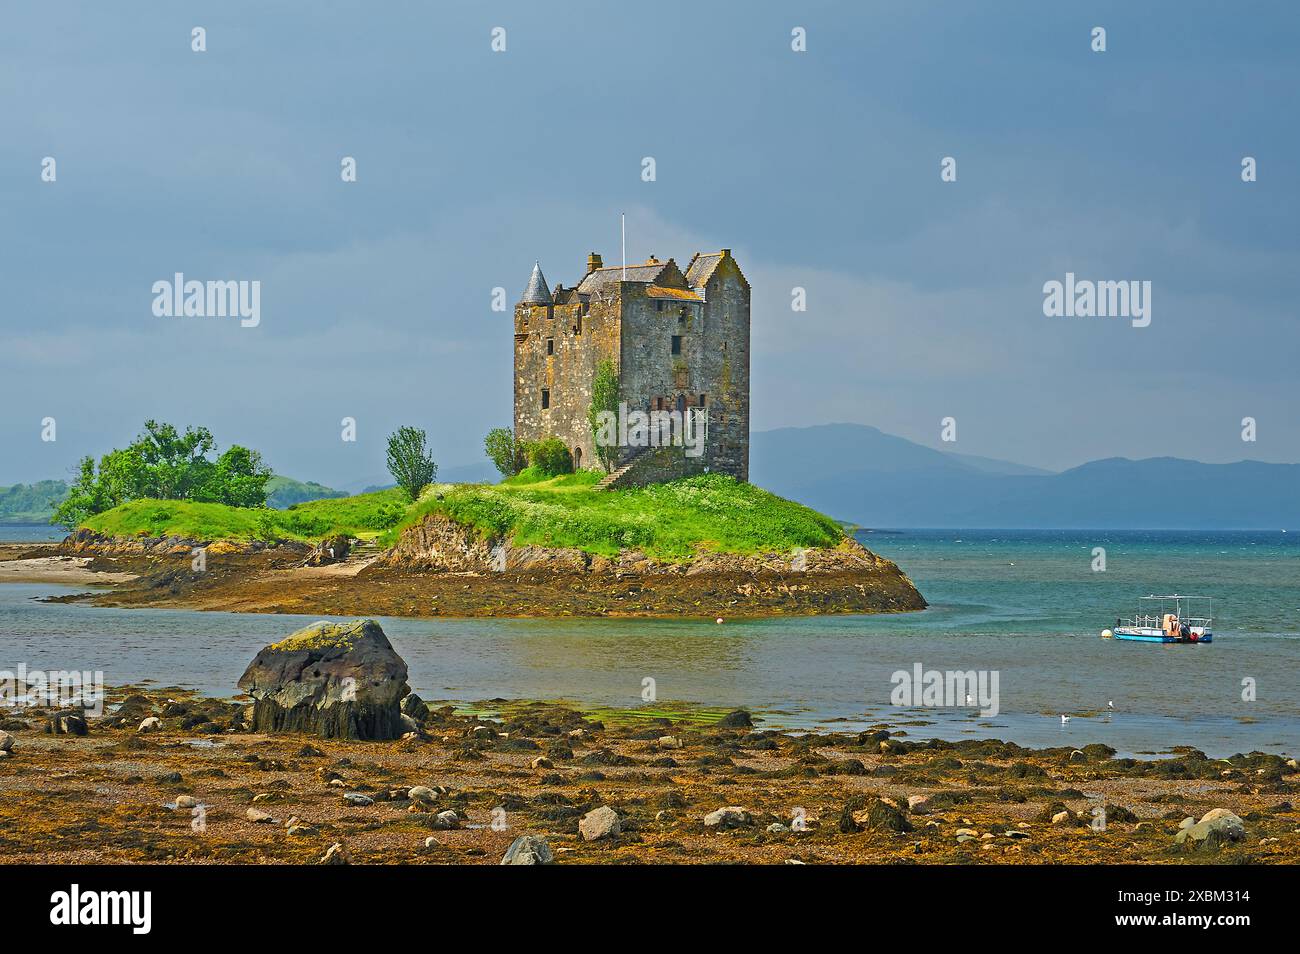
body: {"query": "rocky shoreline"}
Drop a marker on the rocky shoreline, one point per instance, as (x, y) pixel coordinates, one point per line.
(169, 777)
(440, 569)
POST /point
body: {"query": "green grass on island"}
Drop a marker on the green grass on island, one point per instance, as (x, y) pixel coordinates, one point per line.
(671, 521)
(365, 516)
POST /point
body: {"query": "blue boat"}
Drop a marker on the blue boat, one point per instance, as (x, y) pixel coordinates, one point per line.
(1167, 619)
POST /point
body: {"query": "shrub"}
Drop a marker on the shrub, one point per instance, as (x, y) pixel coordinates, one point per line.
(550, 457)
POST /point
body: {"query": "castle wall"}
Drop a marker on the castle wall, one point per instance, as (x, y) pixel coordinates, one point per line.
(580, 342)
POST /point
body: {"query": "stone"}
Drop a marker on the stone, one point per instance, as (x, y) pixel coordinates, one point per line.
(1216, 828)
(967, 833)
(541, 762)
(67, 722)
(529, 850)
(336, 854)
(1187, 822)
(880, 815)
(151, 724)
(733, 816)
(739, 719)
(357, 800)
(1060, 818)
(1016, 834)
(918, 804)
(422, 794)
(335, 680)
(6, 742)
(669, 742)
(258, 817)
(414, 706)
(776, 828)
(446, 821)
(602, 822)
(186, 801)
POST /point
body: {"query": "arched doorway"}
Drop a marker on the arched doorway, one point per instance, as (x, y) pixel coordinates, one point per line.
(577, 458)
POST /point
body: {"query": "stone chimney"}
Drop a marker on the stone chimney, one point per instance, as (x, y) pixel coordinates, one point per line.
(593, 262)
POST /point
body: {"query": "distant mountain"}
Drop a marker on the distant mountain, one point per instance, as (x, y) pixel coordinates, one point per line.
(859, 473)
(31, 503)
(284, 492)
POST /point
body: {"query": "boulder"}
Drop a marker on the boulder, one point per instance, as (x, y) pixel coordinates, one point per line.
(602, 822)
(336, 680)
(415, 707)
(68, 722)
(1215, 828)
(738, 719)
(151, 724)
(529, 850)
(6, 742)
(733, 816)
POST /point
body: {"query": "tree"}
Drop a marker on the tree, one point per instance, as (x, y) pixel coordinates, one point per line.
(549, 457)
(164, 464)
(409, 460)
(506, 453)
(604, 400)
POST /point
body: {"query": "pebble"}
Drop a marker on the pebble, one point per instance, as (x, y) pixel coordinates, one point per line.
(669, 742)
(258, 817)
(918, 804)
(6, 742)
(151, 724)
(186, 801)
(357, 800)
(1060, 818)
(541, 762)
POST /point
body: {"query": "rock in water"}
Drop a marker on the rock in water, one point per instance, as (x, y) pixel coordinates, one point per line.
(336, 680)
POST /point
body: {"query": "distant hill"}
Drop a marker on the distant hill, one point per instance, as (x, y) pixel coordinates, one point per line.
(31, 503)
(284, 492)
(859, 473)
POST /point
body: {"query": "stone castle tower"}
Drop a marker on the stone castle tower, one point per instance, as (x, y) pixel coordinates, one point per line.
(679, 342)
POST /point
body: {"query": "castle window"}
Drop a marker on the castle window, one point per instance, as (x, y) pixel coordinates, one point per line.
(659, 306)
(677, 344)
(550, 346)
(704, 400)
(546, 399)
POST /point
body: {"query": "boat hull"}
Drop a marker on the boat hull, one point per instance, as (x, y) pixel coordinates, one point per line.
(1156, 636)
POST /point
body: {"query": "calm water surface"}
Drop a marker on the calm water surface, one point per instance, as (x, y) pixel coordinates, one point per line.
(1026, 604)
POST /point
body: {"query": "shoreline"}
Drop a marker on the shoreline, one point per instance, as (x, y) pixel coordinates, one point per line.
(861, 797)
(283, 580)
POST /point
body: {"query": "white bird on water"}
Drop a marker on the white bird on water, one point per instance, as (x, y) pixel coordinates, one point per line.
(1110, 705)
(1064, 719)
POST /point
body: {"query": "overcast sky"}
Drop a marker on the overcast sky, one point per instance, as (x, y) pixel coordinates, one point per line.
(820, 169)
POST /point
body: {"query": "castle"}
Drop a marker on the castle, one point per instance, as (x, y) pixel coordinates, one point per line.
(679, 342)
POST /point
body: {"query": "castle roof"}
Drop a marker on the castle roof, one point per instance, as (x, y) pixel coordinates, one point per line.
(702, 266)
(603, 278)
(676, 294)
(536, 293)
